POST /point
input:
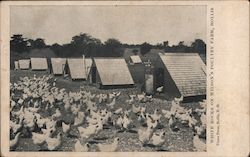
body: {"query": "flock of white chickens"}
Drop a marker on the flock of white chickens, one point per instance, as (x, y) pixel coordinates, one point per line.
(47, 114)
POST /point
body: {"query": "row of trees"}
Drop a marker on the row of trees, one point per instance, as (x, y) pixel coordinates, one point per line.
(90, 46)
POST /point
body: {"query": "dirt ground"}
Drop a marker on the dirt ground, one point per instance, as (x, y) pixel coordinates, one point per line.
(180, 141)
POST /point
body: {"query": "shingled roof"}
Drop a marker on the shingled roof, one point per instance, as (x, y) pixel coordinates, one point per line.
(39, 64)
(58, 65)
(135, 59)
(24, 63)
(77, 68)
(188, 72)
(113, 71)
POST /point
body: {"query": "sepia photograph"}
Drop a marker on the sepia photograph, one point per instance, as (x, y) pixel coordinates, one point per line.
(108, 78)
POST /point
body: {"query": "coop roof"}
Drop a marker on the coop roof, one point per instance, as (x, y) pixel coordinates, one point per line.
(58, 65)
(135, 59)
(39, 64)
(188, 72)
(113, 71)
(77, 68)
(24, 64)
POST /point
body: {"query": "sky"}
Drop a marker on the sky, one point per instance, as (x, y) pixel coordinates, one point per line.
(129, 24)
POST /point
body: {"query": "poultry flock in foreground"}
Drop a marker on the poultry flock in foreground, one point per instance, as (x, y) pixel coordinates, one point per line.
(47, 114)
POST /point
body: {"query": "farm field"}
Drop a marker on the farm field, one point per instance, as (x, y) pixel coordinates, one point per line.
(176, 139)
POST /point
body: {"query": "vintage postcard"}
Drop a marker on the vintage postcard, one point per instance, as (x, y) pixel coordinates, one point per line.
(119, 78)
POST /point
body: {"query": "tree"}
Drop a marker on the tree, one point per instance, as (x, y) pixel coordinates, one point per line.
(18, 43)
(145, 48)
(84, 44)
(165, 43)
(39, 43)
(199, 46)
(112, 48)
(57, 49)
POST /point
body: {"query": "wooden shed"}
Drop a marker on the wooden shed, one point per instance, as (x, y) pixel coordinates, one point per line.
(110, 73)
(181, 74)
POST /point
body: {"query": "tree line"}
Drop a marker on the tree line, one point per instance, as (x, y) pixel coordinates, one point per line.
(85, 44)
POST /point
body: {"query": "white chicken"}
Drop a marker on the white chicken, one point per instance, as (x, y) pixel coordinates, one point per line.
(81, 148)
(198, 144)
(141, 97)
(159, 89)
(65, 127)
(179, 100)
(112, 103)
(14, 142)
(145, 134)
(39, 139)
(16, 126)
(126, 122)
(109, 147)
(158, 138)
(87, 132)
(136, 109)
(53, 143)
(155, 115)
(167, 114)
(118, 122)
(78, 120)
(151, 122)
(118, 111)
(131, 100)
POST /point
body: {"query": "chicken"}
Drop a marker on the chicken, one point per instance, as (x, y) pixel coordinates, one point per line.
(167, 114)
(39, 139)
(53, 143)
(50, 124)
(151, 122)
(14, 142)
(119, 122)
(40, 121)
(145, 134)
(20, 101)
(131, 100)
(16, 127)
(198, 144)
(136, 109)
(67, 105)
(126, 121)
(87, 132)
(75, 108)
(117, 94)
(109, 147)
(80, 148)
(79, 118)
(118, 111)
(112, 104)
(143, 110)
(65, 127)
(156, 116)
(18, 113)
(33, 109)
(111, 95)
(12, 105)
(199, 130)
(159, 89)
(158, 139)
(203, 120)
(149, 98)
(92, 120)
(178, 100)
(141, 97)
